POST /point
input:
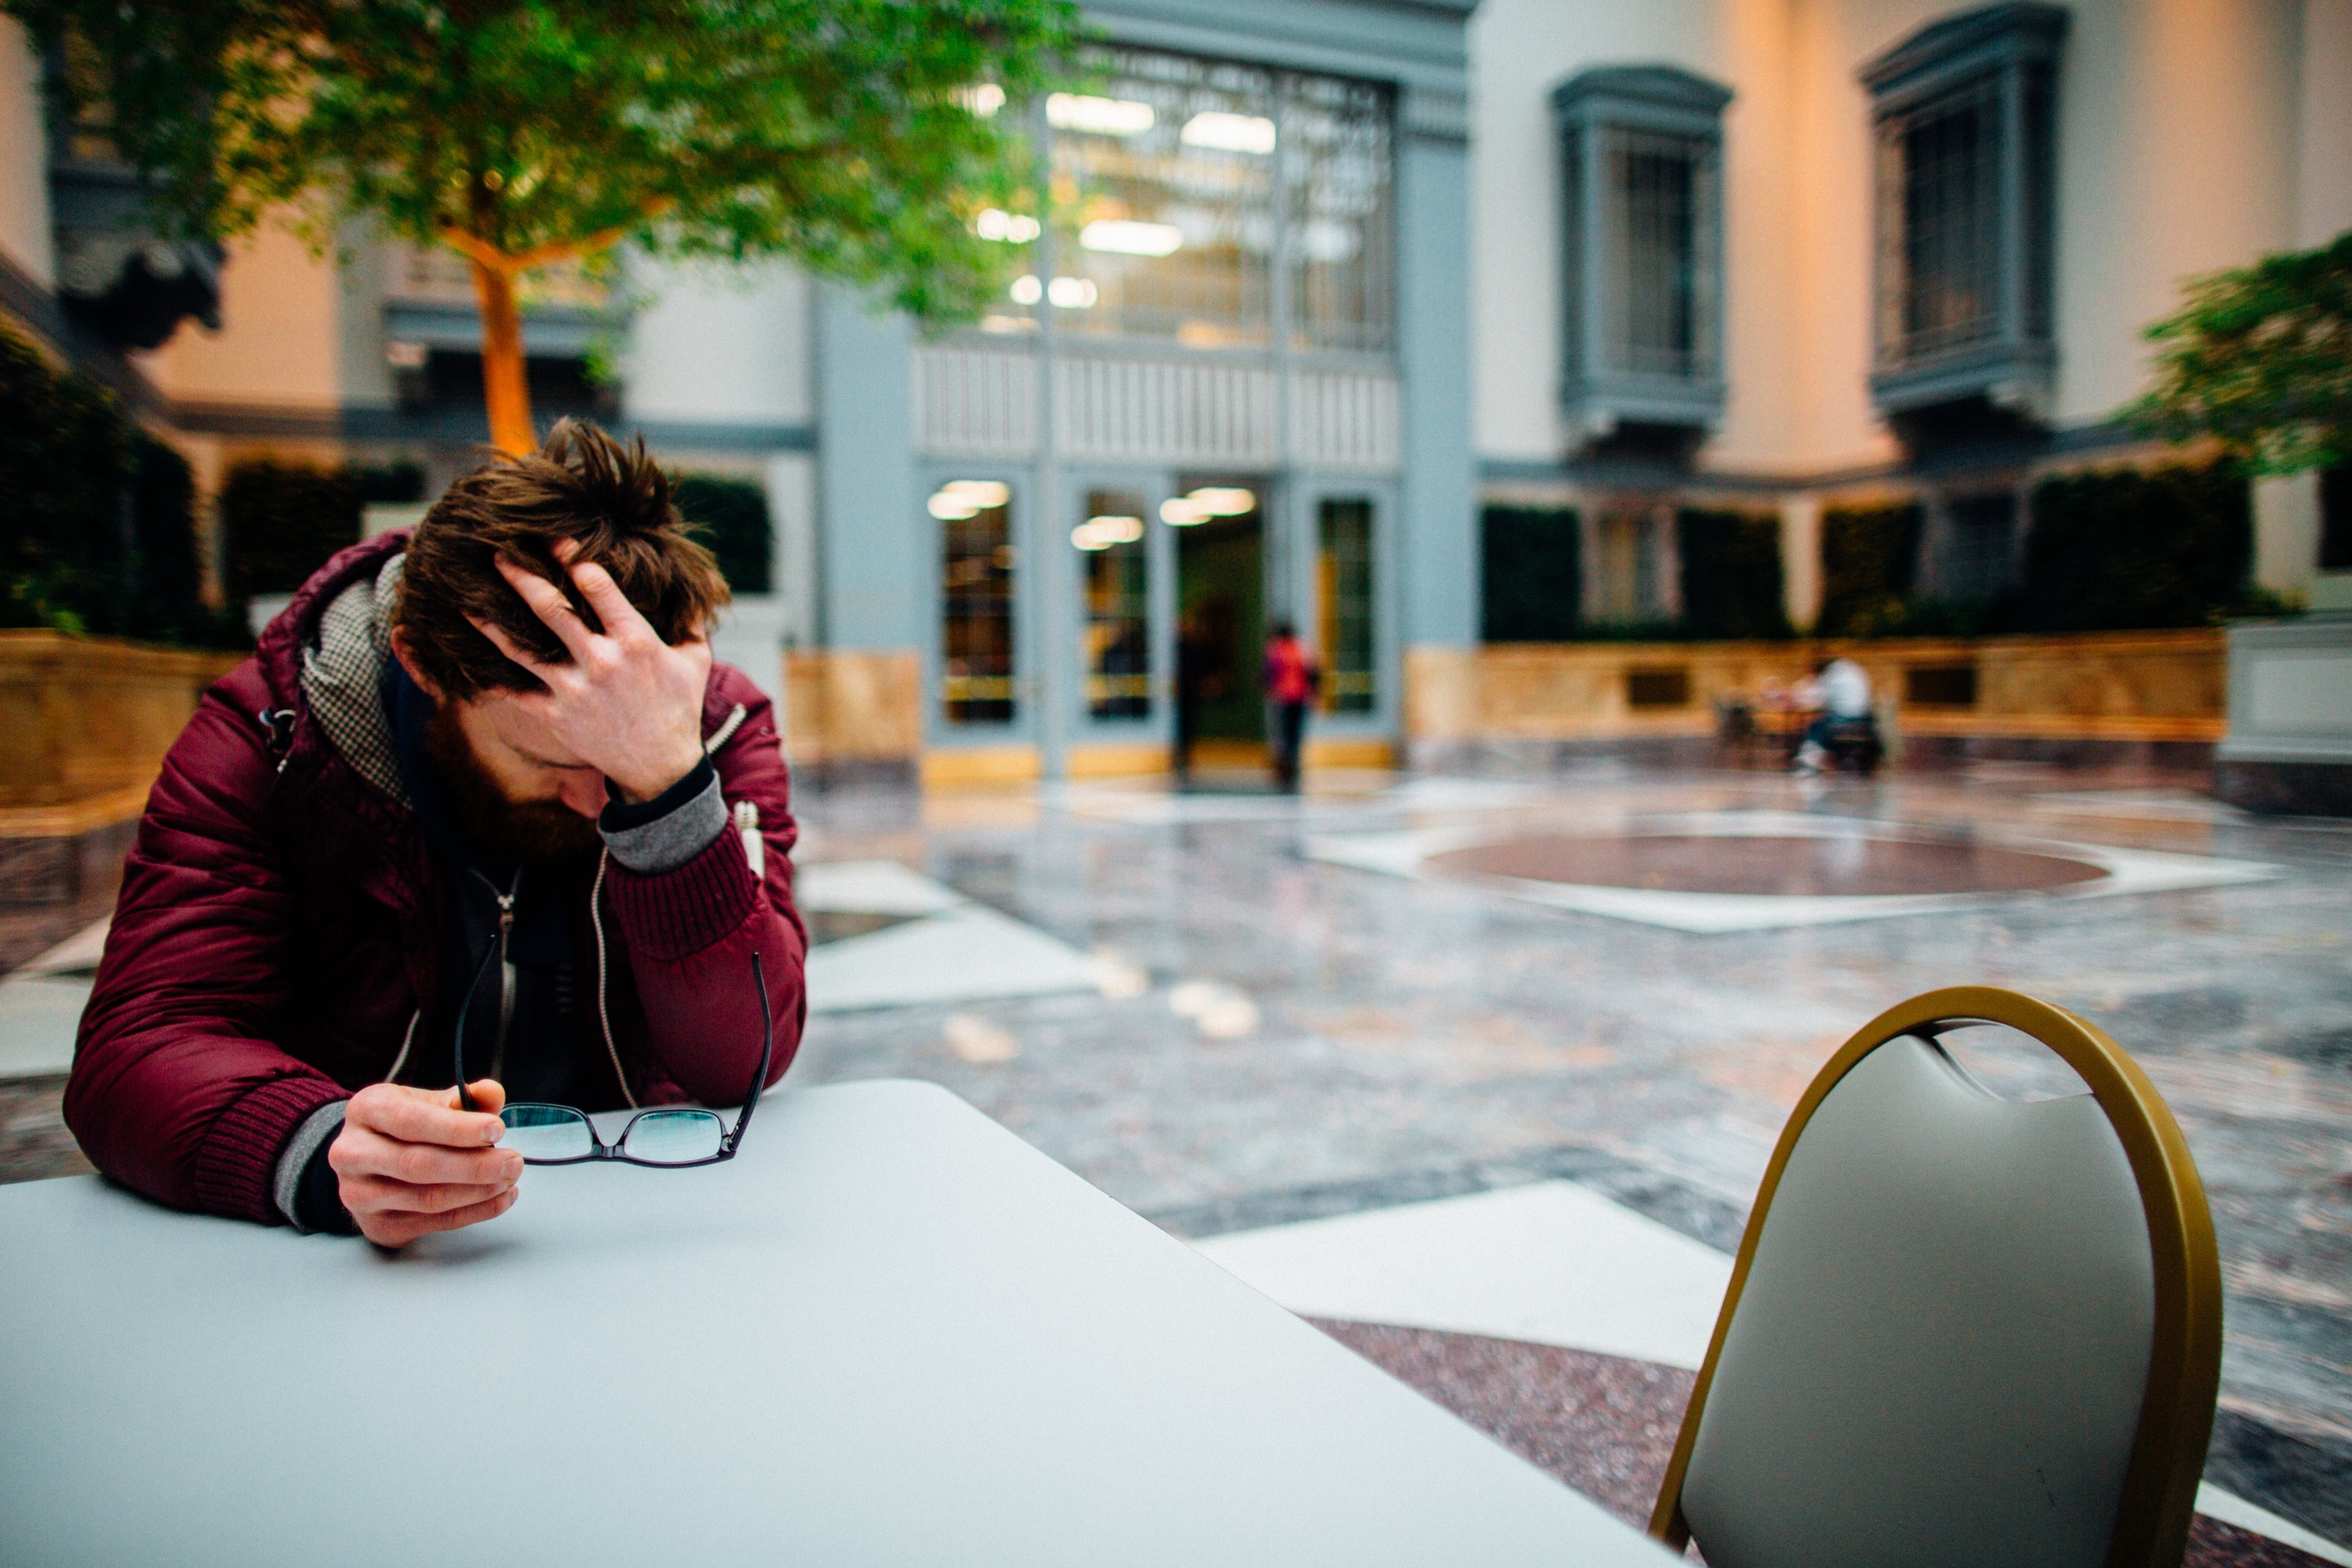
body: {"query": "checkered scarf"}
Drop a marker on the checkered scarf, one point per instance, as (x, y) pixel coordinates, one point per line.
(342, 677)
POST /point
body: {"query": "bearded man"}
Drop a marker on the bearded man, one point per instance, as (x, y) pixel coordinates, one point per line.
(480, 808)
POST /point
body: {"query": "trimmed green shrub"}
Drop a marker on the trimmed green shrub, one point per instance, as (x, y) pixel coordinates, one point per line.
(396, 483)
(1731, 574)
(731, 516)
(1532, 578)
(64, 458)
(283, 520)
(2124, 549)
(1869, 556)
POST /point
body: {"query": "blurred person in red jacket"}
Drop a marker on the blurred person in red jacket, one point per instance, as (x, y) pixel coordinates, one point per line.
(486, 774)
(1292, 678)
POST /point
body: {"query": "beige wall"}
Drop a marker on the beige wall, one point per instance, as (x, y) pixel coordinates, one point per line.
(24, 150)
(281, 341)
(2323, 177)
(2194, 135)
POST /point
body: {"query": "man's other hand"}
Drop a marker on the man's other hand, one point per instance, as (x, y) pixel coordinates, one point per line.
(408, 1162)
(629, 705)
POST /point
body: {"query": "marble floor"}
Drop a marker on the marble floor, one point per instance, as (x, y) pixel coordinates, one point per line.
(1238, 1013)
(1311, 1019)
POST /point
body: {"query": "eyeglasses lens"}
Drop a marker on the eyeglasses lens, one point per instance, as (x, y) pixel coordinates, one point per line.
(541, 1134)
(673, 1137)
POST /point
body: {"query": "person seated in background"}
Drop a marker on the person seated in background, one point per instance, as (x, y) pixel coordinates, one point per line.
(1839, 695)
(485, 778)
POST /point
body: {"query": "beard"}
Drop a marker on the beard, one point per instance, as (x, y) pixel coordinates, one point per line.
(535, 832)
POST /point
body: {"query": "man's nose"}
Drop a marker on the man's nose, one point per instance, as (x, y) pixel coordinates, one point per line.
(583, 793)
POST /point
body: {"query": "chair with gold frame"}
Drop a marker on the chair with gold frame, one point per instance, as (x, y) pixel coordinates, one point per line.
(1960, 1330)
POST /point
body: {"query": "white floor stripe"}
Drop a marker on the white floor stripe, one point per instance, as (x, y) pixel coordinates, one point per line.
(38, 1017)
(969, 953)
(2231, 1509)
(1554, 1263)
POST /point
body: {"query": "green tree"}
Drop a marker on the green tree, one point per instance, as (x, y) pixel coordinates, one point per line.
(857, 137)
(2261, 361)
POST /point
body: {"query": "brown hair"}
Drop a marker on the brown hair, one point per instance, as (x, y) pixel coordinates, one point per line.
(583, 485)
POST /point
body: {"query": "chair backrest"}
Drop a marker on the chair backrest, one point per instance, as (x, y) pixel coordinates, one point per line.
(1960, 1330)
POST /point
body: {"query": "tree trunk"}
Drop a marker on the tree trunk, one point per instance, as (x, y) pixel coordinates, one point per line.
(504, 386)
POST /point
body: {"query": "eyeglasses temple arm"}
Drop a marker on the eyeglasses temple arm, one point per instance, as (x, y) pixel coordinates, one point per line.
(767, 1051)
(465, 1101)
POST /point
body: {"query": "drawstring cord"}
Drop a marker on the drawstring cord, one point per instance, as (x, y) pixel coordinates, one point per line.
(603, 1013)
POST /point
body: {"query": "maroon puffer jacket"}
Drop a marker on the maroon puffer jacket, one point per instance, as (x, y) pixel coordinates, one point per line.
(279, 929)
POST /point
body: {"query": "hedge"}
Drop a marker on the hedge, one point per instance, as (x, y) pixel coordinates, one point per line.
(281, 521)
(1731, 574)
(100, 533)
(1869, 557)
(731, 516)
(1532, 577)
(2123, 549)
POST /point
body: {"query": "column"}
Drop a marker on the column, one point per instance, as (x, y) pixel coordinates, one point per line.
(1438, 602)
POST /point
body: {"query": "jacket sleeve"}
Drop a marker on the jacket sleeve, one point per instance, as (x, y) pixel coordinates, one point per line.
(177, 1090)
(690, 931)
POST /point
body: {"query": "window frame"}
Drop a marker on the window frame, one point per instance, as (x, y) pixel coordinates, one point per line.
(1594, 112)
(2010, 55)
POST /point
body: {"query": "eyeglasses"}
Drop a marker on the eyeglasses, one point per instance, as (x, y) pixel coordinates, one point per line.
(563, 1135)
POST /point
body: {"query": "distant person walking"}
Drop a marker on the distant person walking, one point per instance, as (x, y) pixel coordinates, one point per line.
(1292, 678)
(1196, 669)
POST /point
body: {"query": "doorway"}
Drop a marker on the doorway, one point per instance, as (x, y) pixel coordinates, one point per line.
(1221, 610)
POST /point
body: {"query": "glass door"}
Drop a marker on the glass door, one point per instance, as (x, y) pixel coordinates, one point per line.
(980, 689)
(1120, 547)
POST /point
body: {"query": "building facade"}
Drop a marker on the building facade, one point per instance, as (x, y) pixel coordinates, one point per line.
(1323, 280)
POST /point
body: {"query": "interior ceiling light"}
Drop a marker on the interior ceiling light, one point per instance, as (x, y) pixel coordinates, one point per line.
(983, 99)
(982, 493)
(1223, 132)
(950, 507)
(1073, 293)
(1213, 500)
(1015, 228)
(1125, 237)
(1026, 290)
(1098, 116)
(1178, 511)
(1102, 533)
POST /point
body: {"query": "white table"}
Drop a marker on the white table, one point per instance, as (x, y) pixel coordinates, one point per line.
(888, 1333)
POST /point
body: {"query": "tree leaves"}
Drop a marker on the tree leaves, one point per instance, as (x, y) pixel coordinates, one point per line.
(828, 130)
(2261, 361)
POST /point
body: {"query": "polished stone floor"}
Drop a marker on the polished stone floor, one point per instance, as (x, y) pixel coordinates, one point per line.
(1236, 1012)
(1294, 1037)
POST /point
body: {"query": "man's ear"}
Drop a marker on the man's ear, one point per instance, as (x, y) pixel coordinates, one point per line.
(403, 649)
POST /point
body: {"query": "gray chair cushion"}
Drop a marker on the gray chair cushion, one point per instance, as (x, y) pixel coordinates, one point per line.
(1943, 1343)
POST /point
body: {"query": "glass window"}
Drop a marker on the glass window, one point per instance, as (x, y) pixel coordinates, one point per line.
(1167, 178)
(1940, 224)
(1342, 235)
(976, 663)
(1965, 111)
(1981, 552)
(1657, 186)
(1118, 635)
(1344, 595)
(1641, 246)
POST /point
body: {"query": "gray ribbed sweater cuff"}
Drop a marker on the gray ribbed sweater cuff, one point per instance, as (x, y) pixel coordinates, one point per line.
(673, 838)
(286, 1180)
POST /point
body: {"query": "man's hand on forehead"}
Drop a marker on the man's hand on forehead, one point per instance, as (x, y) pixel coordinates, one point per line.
(627, 704)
